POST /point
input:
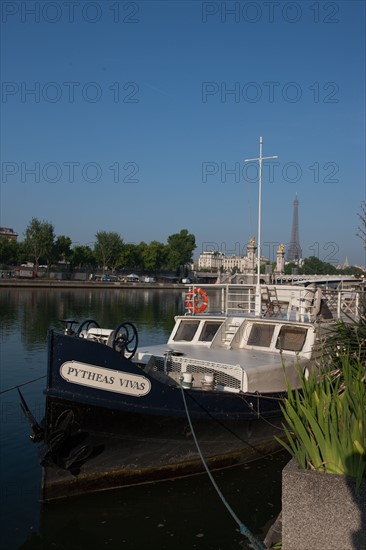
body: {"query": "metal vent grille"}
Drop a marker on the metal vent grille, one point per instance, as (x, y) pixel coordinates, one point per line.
(225, 375)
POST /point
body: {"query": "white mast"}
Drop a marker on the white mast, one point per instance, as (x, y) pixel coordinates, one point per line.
(260, 159)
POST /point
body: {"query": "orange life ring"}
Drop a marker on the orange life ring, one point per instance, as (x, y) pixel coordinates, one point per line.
(197, 300)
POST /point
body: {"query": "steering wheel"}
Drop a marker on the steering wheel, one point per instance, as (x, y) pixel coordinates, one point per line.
(69, 326)
(86, 325)
(126, 340)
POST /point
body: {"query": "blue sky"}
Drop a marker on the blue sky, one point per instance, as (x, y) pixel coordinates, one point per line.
(136, 117)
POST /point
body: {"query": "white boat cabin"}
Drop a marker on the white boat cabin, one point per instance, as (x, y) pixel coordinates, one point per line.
(232, 353)
(222, 344)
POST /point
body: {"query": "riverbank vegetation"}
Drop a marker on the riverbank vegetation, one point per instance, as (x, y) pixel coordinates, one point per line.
(109, 251)
(326, 419)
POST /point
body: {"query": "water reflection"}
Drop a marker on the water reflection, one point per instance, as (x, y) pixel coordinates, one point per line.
(175, 515)
(32, 311)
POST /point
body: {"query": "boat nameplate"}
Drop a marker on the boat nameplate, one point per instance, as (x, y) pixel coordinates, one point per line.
(101, 378)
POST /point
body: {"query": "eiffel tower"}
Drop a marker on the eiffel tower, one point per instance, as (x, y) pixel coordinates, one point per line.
(294, 252)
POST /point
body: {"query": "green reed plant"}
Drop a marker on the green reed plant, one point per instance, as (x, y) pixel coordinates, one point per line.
(326, 419)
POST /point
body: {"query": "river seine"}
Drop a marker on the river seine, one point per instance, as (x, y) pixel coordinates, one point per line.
(180, 514)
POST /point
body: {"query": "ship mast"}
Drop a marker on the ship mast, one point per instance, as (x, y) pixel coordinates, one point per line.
(260, 159)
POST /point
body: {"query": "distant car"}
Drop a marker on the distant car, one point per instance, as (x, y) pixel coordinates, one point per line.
(132, 279)
(149, 280)
(106, 279)
(186, 281)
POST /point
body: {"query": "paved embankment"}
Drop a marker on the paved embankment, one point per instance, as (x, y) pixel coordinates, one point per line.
(54, 283)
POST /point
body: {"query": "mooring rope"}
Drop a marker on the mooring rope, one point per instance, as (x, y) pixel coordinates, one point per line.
(246, 442)
(229, 430)
(24, 384)
(256, 544)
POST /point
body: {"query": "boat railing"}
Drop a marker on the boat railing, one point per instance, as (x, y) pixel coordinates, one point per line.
(279, 301)
(343, 303)
(219, 299)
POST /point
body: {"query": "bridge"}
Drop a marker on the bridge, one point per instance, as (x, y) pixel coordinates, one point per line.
(324, 281)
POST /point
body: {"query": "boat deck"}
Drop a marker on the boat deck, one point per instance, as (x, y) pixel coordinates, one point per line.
(255, 370)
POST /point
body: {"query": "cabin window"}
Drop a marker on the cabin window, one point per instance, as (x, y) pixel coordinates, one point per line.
(208, 332)
(291, 338)
(261, 335)
(186, 330)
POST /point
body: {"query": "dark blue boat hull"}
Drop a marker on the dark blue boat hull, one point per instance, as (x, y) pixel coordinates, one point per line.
(95, 439)
(162, 399)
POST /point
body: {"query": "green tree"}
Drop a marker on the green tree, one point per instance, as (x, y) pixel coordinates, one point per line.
(314, 266)
(351, 270)
(140, 253)
(361, 232)
(39, 240)
(62, 249)
(10, 251)
(108, 248)
(180, 249)
(154, 256)
(129, 257)
(83, 256)
(291, 268)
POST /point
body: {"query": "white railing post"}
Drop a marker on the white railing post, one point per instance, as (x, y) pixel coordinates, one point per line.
(258, 301)
(339, 304)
